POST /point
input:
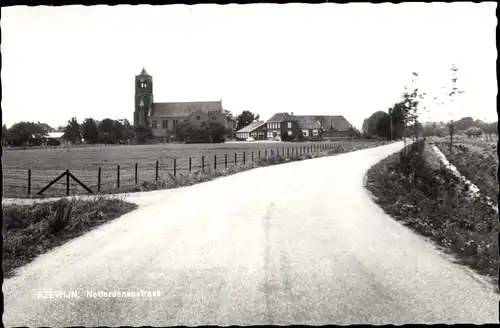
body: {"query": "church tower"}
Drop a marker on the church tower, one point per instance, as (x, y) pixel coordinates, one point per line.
(143, 98)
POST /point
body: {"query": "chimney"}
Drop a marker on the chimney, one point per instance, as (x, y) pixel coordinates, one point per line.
(292, 114)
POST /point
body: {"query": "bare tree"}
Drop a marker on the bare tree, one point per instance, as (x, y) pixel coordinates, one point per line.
(411, 101)
(453, 93)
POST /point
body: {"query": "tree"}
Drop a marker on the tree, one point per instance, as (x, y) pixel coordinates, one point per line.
(493, 127)
(453, 93)
(245, 118)
(25, 132)
(128, 130)
(72, 131)
(105, 131)
(217, 132)
(398, 119)
(464, 123)
(353, 132)
(5, 133)
(473, 131)
(375, 124)
(410, 107)
(383, 127)
(89, 131)
(117, 132)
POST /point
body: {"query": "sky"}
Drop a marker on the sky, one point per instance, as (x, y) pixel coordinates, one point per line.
(309, 59)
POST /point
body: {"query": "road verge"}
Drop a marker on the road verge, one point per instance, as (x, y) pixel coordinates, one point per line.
(422, 194)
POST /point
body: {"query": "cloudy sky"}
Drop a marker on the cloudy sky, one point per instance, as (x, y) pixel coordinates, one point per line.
(349, 60)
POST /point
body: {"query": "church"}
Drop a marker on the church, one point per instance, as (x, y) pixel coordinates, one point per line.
(163, 118)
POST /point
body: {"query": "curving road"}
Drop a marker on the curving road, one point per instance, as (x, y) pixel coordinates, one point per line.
(300, 243)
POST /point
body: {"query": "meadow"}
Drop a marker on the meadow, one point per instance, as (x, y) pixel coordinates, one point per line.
(46, 164)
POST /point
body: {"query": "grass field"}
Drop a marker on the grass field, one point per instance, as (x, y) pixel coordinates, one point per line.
(84, 162)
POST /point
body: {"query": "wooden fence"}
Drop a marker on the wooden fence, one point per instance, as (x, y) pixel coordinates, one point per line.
(103, 179)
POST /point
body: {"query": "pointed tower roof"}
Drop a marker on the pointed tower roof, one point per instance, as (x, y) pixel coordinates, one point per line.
(144, 73)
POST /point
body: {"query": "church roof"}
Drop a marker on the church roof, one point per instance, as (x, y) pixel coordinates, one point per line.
(185, 109)
(144, 73)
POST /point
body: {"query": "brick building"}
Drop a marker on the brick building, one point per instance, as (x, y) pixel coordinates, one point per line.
(163, 118)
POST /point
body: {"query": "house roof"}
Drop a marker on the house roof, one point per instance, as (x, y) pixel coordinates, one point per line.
(252, 126)
(55, 135)
(309, 124)
(339, 122)
(280, 117)
(184, 109)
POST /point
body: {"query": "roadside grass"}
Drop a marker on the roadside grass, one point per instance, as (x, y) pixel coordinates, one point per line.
(476, 161)
(32, 230)
(420, 193)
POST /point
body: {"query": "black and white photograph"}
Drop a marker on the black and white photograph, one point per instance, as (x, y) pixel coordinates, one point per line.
(250, 164)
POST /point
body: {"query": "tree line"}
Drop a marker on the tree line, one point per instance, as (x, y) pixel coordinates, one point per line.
(403, 118)
(110, 131)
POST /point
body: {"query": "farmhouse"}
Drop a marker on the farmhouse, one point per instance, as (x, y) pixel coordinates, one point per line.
(54, 138)
(255, 130)
(331, 126)
(282, 123)
(164, 118)
(311, 128)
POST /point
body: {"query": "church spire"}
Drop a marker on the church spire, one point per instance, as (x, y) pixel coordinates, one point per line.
(143, 72)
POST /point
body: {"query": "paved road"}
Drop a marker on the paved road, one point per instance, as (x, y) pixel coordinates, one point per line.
(300, 243)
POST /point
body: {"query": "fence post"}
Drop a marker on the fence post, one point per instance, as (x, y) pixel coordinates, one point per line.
(225, 161)
(157, 163)
(252, 156)
(265, 153)
(118, 176)
(67, 182)
(99, 180)
(235, 158)
(175, 167)
(203, 163)
(29, 181)
(244, 153)
(189, 164)
(136, 173)
(259, 154)
(287, 151)
(215, 162)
